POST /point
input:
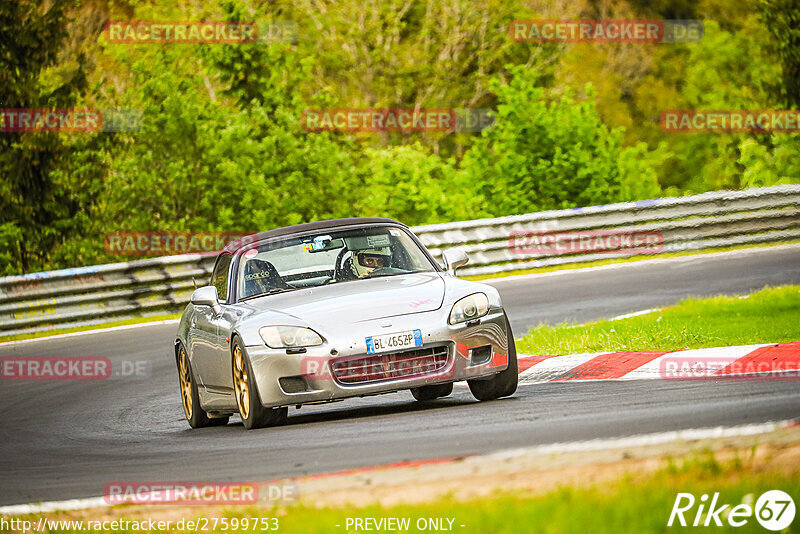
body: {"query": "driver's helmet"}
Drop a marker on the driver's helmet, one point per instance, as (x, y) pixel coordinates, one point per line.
(367, 260)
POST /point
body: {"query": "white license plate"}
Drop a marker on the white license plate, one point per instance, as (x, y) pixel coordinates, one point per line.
(397, 341)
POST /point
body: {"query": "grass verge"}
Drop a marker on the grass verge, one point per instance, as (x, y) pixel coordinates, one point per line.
(766, 316)
(629, 505)
(634, 501)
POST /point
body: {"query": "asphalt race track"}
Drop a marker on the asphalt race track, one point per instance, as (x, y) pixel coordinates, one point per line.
(67, 439)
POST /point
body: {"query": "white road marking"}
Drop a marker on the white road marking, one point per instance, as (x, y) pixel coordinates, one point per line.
(638, 440)
(54, 506)
(634, 314)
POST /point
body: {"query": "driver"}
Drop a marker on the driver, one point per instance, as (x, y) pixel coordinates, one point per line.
(370, 259)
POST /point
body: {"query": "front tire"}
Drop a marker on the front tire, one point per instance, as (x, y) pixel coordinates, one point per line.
(190, 396)
(429, 393)
(504, 383)
(252, 412)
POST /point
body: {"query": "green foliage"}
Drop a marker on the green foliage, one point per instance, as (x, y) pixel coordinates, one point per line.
(407, 184)
(36, 211)
(213, 157)
(782, 19)
(554, 152)
(720, 75)
(771, 165)
(221, 146)
(404, 54)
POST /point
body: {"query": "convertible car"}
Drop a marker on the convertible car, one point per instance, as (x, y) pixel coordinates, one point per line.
(324, 311)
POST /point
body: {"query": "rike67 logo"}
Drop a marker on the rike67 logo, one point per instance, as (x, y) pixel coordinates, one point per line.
(774, 510)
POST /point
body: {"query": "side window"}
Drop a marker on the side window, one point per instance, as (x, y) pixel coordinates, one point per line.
(219, 278)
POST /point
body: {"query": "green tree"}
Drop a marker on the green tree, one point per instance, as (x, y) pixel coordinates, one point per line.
(553, 152)
(778, 163)
(215, 153)
(36, 211)
(726, 70)
(781, 18)
(415, 53)
(407, 184)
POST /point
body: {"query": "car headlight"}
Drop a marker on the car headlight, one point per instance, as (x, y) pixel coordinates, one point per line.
(284, 337)
(469, 308)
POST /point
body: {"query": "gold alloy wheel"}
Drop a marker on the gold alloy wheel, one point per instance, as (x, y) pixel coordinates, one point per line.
(241, 385)
(186, 384)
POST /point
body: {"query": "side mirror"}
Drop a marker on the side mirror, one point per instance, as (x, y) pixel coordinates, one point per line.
(207, 296)
(453, 259)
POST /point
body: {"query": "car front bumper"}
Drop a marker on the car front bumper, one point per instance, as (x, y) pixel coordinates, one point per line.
(474, 350)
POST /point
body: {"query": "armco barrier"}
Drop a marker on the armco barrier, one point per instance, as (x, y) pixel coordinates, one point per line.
(92, 295)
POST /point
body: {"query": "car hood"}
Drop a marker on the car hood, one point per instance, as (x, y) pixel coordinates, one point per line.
(355, 301)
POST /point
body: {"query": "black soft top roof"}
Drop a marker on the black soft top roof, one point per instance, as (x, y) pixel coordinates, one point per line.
(299, 229)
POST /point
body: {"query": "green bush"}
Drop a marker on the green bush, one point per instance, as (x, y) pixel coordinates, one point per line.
(553, 151)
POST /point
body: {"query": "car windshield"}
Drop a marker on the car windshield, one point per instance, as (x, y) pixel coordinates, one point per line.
(329, 257)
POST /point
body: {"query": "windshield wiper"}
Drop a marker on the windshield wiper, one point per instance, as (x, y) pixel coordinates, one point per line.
(381, 275)
(277, 290)
(273, 291)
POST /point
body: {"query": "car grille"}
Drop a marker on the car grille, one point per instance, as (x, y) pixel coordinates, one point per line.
(390, 366)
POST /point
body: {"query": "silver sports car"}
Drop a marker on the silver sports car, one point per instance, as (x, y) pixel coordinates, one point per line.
(324, 311)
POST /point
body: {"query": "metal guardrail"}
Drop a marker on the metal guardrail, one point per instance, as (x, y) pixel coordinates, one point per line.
(97, 294)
